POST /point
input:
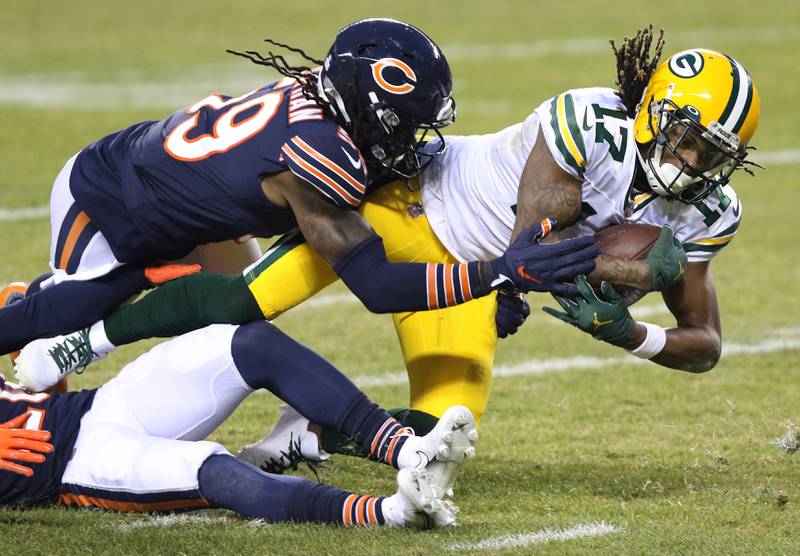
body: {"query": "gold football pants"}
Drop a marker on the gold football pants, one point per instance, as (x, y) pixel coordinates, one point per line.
(448, 352)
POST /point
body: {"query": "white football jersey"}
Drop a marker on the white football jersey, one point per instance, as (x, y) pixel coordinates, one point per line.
(470, 191)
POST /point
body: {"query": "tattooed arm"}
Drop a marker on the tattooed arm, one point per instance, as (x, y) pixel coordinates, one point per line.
(349, 244)
(545, 189)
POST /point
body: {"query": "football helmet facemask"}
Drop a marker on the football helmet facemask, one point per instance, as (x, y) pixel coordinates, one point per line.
(703, 108)
(384, 81)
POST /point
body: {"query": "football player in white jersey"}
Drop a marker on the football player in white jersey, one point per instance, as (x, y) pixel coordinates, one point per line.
(658, 149)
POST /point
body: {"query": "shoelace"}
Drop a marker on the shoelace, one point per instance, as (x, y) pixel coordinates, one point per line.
(72, 352)
(290, 459)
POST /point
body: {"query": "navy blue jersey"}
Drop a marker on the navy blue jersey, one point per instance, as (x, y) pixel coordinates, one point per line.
(158, 189)
(58, 413)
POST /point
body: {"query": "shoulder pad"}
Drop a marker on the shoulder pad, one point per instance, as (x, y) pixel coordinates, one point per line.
(581, 128)
(327, 159)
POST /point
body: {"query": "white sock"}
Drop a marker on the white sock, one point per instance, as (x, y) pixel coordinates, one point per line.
(393, 510)
(101, 345)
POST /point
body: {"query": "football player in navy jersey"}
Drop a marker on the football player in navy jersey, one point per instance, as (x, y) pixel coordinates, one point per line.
(294, 154)
(137, 443)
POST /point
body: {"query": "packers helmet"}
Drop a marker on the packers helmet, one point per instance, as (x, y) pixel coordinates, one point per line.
(700, 100)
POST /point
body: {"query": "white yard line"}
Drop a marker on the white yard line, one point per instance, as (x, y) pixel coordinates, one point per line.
(599, 45)
(582, 530)
(782, 340)
(132, 88)
(782, 157)
(164, 521)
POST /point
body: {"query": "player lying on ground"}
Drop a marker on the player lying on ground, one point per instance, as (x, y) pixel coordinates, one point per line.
(136, 443)
(286, 155)
(573, 156)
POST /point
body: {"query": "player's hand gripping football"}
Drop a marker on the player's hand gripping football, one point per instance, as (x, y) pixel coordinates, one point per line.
(20, 444)
(607, 320)
(512, 310)
(666, 259)
(529, 265)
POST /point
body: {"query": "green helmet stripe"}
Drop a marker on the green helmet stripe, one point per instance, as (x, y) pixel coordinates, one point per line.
(723, 120)
(747, 103)
(741, 98)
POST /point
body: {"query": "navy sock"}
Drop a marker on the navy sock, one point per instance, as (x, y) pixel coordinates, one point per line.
(267, 358)
(230, 483)
(67, 307)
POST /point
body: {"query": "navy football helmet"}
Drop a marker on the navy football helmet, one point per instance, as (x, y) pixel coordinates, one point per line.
(384, 81)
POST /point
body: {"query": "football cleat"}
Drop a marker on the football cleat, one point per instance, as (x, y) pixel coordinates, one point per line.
(416, 504)
(286, 446)
(44, 362)
(12, 293)
(443, 451)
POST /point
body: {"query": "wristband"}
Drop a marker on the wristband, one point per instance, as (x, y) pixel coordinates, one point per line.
(653, 343)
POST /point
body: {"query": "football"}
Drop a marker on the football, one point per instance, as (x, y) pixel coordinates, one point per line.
(631, 242)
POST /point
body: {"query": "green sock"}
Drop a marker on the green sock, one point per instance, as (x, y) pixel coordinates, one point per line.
(183, 305)
(334, 442)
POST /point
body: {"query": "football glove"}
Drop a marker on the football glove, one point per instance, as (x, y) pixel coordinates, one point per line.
(529, 265)
(667, 260)
(20, 444)
(607, 320)
(512, 310)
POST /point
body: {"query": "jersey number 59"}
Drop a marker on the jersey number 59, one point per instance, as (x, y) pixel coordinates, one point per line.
(227, 133)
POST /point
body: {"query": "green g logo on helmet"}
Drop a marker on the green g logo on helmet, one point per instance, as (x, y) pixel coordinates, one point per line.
(686, 64)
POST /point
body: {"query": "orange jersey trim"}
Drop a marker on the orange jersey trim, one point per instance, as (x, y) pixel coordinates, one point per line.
(69, 499)
(80, 223)
(311, 151)
(319, 175)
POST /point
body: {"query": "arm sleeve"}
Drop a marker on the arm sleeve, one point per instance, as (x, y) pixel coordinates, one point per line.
(385, 287)
(331, 163)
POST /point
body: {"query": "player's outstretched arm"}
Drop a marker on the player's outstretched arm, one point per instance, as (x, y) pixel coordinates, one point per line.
(18, 444)
(695, 345)
(350, 245)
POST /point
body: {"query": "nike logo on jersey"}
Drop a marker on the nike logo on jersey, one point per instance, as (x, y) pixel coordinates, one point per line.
(586, 125)
(521, 272)
(356, 163)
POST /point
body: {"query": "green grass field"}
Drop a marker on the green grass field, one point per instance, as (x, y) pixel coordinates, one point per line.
(672, 463)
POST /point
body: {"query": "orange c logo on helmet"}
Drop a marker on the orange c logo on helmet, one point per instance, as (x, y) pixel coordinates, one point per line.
(402, 88)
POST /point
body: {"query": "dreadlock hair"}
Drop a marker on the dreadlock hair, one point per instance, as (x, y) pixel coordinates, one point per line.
(303, 74)
(635, 66)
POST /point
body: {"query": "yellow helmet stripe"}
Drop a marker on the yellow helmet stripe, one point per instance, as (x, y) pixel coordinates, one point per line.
(736, 110)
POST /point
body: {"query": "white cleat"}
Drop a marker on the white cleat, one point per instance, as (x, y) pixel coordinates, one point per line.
(42, 363)
(443, 451)
(287, 445)
(416, 504)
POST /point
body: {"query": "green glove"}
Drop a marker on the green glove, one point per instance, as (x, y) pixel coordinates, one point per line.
(667, 260)
(609, 320)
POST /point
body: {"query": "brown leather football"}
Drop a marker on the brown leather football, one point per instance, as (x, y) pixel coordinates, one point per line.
(631, 242)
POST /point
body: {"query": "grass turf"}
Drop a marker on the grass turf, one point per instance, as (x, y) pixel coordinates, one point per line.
(681, 463)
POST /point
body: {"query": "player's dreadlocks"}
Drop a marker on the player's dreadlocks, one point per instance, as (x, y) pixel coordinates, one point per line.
(277, 62)
(635, 66)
